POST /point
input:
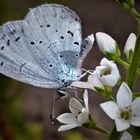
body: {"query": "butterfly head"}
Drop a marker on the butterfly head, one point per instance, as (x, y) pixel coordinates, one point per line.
(62, 93)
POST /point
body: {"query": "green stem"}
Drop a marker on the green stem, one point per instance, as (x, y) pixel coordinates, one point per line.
(114, 135)
(132, 71)
(107, 93)
(101, 129)
(130, 9)
(125, 64)
(91, 124)
(121, 62)
(133, 12)
(136, 94)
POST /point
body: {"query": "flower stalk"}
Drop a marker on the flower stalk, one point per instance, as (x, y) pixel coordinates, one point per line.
(132, 74)
(134, 65)
(129, 7)
(91, 124)
(101, 129)
(114, 135)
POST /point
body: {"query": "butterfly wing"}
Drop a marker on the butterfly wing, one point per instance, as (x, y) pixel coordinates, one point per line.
(16, 61)
(44, 48)
(59, 31)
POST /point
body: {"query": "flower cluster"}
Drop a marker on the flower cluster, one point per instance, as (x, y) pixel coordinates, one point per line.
(125, 109)
(107, 74)
(79, 114)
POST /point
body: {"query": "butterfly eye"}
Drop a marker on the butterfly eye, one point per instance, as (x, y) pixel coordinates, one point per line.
(51, 65)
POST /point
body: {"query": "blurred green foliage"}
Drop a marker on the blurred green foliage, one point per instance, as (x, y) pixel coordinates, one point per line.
(75, 136)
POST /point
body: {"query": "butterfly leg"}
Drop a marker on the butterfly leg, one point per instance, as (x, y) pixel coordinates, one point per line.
(52, 117)
(61, 94)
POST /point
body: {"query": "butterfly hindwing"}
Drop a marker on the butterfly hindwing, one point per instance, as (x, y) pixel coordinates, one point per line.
(16, 61)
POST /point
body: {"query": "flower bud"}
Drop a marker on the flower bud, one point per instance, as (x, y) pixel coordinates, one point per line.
(130, 45)
(106, 43)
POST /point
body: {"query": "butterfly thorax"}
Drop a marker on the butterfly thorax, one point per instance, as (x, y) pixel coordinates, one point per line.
(70, 76)
(73, 75)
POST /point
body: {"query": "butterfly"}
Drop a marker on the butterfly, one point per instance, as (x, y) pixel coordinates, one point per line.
(45, 49)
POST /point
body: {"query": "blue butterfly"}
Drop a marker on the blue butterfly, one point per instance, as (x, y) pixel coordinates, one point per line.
(45, 49)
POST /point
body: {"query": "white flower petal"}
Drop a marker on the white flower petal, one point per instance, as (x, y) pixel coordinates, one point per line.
(94, 80)
(105, 42)
(66, 118)
(106, 62)
(121, 124)
(109, 80)
(75, 106)
(80, 84)
(85, 96)
(136, 106)
(135, 121)
(126, 136)
(124, 96)
(83, 117)
(111, 109)
(130, 44)
(115, 71)
(68, 127)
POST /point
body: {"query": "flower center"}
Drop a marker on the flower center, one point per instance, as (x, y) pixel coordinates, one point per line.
(106, 71)
(126, 115)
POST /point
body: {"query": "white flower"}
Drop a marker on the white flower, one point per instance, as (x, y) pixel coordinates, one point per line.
(126, 136)
(79, 115)
(125, 111)
(130, 45)
(106, 43)
(92, 82)
(107, 72)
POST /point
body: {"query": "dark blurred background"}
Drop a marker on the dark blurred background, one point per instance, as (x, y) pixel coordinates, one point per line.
(24, 109)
